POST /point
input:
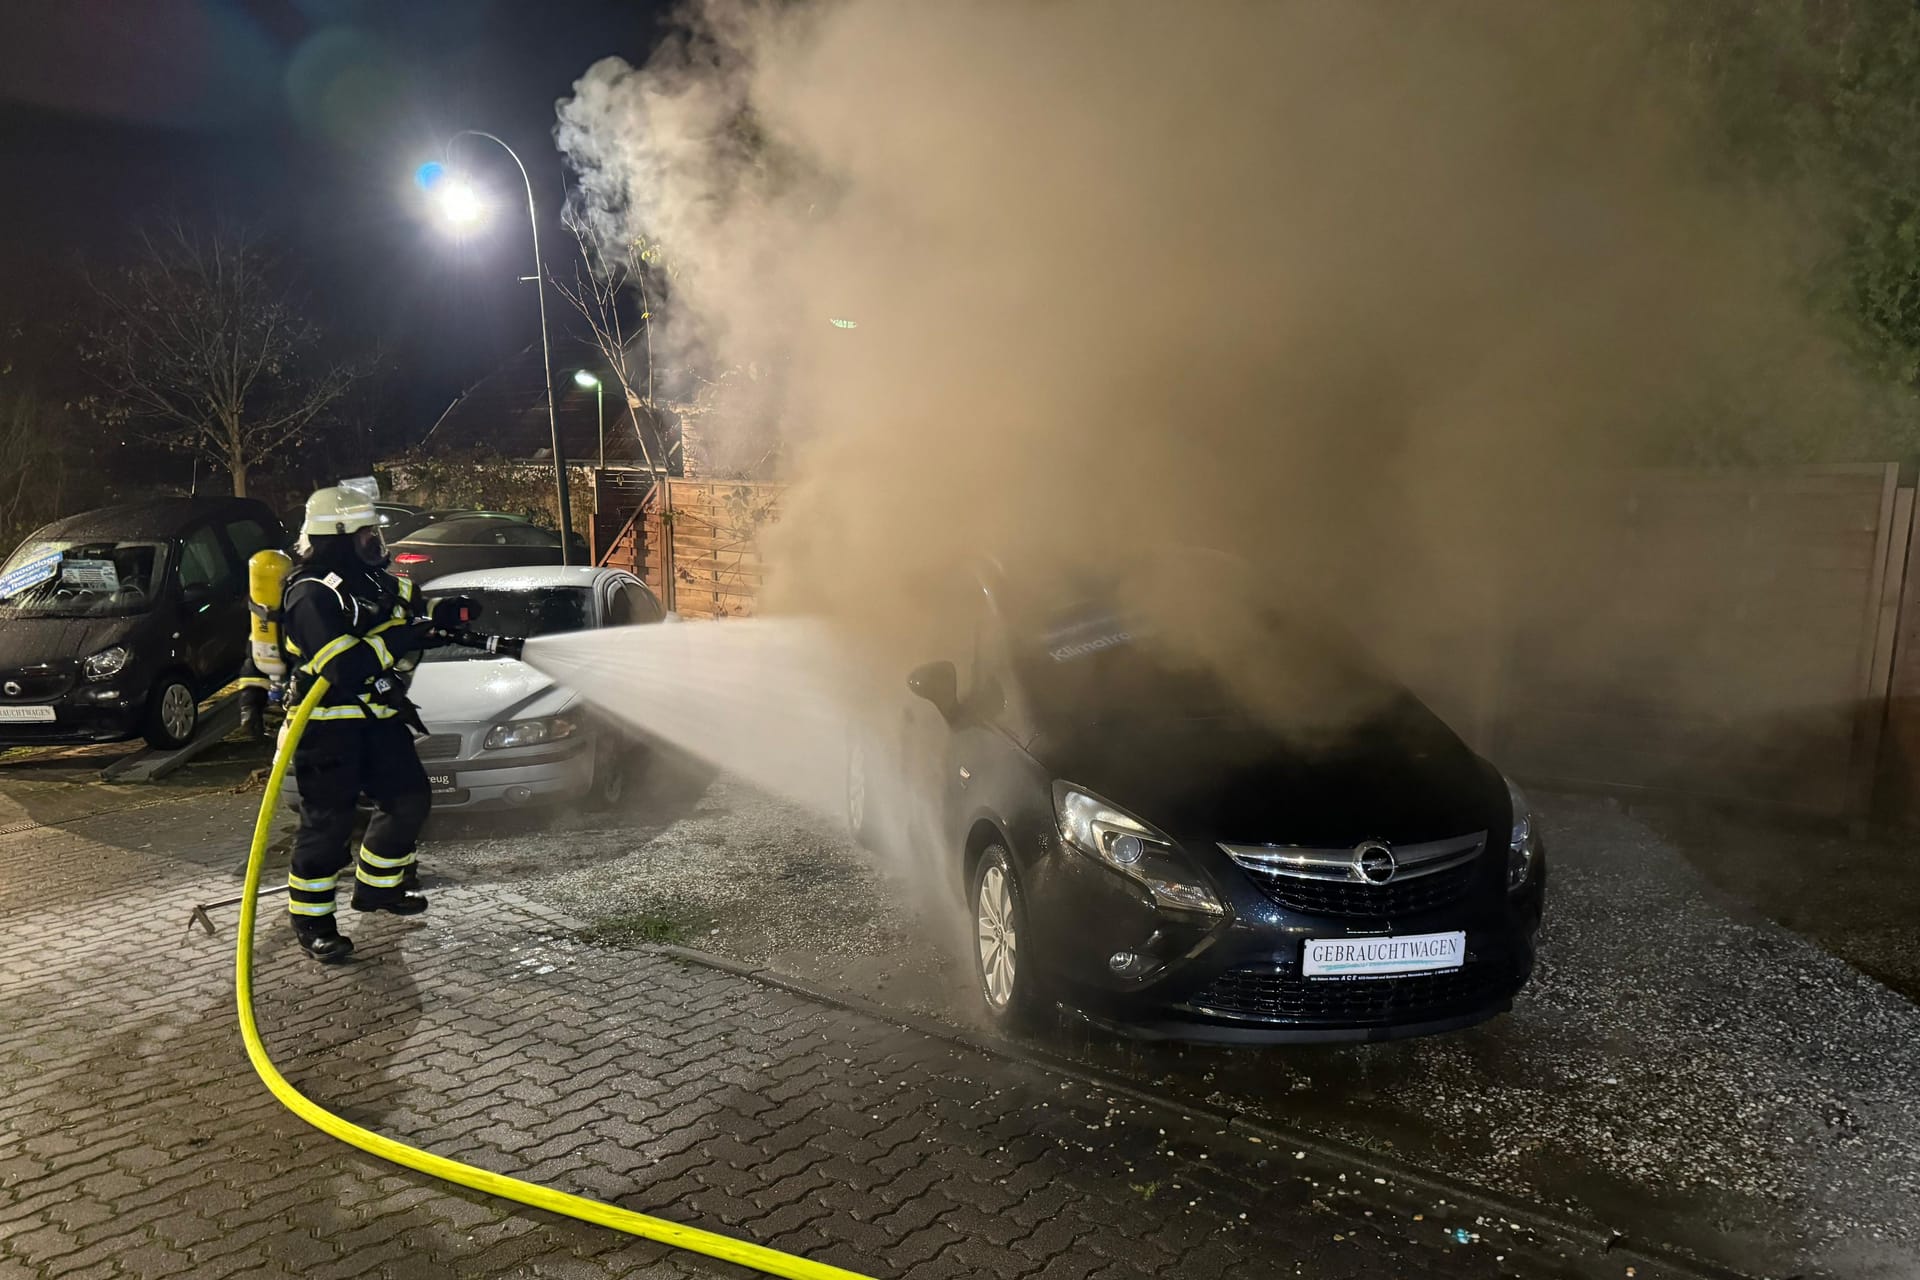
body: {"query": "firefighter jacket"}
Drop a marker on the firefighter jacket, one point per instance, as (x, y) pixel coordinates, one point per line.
(352, 626)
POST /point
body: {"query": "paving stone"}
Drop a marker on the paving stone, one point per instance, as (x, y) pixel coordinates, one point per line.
(143, 1146)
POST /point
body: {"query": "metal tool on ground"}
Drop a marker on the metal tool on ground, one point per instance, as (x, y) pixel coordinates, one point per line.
(740, 1252)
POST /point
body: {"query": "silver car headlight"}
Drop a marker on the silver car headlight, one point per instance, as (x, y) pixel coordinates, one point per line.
(107, 663)
(528, 733)
(1523, 851)
(1121, 842)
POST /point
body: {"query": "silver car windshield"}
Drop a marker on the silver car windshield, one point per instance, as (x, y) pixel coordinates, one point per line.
(523, 614)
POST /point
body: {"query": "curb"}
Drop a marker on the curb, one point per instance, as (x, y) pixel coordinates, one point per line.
(1561, 1225)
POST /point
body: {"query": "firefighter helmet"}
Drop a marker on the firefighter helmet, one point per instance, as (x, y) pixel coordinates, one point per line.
(339, 510)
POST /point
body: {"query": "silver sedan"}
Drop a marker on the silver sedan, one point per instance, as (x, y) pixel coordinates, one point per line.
(501, 735)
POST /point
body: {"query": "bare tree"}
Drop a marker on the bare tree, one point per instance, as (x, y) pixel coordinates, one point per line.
(33, 471)
(204, 350)
(602, 277)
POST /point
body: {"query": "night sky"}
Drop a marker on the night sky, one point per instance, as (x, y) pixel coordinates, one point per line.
(308, 119)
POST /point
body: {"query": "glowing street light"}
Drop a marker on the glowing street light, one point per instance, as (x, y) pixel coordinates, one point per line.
(462, 207)
(586, 379)
(460, 203)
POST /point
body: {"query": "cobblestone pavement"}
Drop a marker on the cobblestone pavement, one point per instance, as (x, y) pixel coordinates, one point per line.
(134, 1139)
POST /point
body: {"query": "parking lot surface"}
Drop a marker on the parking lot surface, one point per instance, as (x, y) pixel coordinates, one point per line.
(135, 1141)
(1680, 1070)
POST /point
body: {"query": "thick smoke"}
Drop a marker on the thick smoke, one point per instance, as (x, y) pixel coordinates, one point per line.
(1347, 290)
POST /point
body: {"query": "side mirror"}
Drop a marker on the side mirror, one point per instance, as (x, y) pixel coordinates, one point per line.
(939, 684)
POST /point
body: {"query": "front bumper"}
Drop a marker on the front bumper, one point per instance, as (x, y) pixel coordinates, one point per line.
(1236, 978)
(110, 712)
(516, 778)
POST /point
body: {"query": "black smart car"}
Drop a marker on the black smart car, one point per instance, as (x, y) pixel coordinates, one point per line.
(1132, 840)
(116, 623)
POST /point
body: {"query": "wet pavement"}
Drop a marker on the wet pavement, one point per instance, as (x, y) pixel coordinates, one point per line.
(1681, 1068)
(135, 1141)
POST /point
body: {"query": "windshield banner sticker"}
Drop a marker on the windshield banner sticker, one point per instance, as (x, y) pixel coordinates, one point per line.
(1087, 635)
(93, 575)
(30, 574)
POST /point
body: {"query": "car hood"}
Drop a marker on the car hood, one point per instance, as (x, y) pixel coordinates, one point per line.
(485, 690)
(26, 642)
(1402, 777)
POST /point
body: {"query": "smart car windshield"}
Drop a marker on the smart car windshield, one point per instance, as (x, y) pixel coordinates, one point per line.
(523, 614)
(63, 578)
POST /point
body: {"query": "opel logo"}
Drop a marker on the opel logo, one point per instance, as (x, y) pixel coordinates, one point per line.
(1373, 862)
(13, 688)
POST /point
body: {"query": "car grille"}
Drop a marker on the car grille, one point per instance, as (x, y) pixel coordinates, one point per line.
(1282, 995)
(1327, 882)
(37, 684)
(1376, 901)
(439, 746)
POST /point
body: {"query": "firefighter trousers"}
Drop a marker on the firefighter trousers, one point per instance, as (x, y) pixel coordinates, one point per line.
(334, 763)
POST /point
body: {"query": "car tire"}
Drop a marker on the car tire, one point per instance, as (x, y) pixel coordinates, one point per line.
(1009, 990)
(860, 794)
(173, 713)
(612, 776)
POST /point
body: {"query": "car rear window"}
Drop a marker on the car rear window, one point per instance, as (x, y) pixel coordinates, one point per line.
(483, 532)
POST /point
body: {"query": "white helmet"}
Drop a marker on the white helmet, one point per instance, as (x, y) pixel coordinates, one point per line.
(341, 509)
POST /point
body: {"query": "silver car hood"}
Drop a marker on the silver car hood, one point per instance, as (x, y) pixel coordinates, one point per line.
(485, 691)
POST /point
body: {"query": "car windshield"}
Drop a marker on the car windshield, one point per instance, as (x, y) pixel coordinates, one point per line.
(1090, 660)
(523, 614)
(82, 578)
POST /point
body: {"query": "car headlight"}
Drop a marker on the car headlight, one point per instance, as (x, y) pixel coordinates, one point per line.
(107, 663)
(1523, 852)
(1118, 840)
(528, 733)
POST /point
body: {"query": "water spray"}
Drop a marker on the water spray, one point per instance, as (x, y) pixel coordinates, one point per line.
(741, 1252)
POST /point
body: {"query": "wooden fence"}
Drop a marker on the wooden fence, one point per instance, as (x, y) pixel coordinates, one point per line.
(696, 543)
(1726, 635)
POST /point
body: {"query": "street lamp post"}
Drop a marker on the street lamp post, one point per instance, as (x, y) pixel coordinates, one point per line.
(466, 209)
(586, 379)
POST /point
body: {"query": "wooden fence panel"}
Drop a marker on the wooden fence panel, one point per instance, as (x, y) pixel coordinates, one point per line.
(1728, 635)
(708, 536)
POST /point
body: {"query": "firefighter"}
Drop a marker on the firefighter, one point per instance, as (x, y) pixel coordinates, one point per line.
(348, 619)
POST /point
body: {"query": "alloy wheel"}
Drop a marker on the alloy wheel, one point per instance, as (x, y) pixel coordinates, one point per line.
(998, 942)
(856, 788)
(178, 711)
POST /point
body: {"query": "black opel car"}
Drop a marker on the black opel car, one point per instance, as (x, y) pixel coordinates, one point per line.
(116, 623)
(1133, 841)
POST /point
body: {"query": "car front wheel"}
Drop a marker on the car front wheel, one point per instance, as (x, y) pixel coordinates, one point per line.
(859, 793)
(612, 769)
(172, 713)
(1007, 986)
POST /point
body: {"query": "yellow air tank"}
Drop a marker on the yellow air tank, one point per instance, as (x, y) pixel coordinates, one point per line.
(266, 578)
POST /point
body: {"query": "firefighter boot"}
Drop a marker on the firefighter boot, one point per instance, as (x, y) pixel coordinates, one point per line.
(321, 938)
(253, 715)
(397, 901)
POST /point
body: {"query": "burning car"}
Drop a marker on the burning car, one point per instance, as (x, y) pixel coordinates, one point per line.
(1132, 839)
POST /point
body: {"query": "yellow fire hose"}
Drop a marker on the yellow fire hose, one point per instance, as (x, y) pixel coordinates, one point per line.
(768, 1261)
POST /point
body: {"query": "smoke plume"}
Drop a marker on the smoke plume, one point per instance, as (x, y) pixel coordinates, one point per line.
(1346, 290)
